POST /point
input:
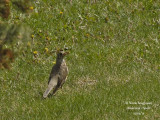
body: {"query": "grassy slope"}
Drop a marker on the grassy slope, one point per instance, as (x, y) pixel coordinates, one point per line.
(112, 42)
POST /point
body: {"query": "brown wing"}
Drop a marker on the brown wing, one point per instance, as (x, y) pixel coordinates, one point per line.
(62, 75)
(54, 71)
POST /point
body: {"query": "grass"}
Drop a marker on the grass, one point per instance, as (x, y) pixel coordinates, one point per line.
(114, 58)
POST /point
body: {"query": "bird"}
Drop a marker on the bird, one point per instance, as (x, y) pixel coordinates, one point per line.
(58, 74)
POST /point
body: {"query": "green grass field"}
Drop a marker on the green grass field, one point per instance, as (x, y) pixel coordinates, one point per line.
(114, 60)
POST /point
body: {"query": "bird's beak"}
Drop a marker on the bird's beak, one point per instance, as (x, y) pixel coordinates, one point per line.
(66, 53)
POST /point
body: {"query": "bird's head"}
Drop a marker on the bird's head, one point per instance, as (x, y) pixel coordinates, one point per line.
(61, 53)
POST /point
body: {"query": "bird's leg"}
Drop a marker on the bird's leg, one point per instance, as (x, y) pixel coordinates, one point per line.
(61, 85)
(54, 91)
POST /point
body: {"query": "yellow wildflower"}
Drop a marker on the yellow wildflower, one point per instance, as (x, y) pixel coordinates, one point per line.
(87, 35)
(31, 8)
(54, 62)
(61, 12)
(35, 52)
(46, 49)
(32, 36)
(47, 38)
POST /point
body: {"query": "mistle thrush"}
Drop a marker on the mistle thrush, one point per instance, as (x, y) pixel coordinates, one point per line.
(58, 74)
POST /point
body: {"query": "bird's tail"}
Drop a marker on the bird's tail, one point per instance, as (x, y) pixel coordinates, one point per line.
(52, 84)
(48, 90)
